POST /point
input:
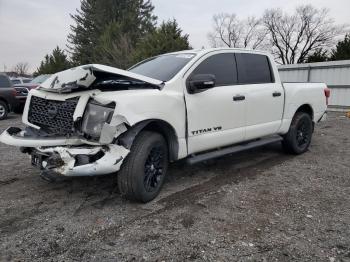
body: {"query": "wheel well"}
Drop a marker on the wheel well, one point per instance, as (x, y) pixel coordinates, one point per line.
(159, 126)
(169, 134)
(306, 109)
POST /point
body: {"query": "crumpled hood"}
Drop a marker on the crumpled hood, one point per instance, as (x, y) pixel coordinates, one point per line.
(83, 77)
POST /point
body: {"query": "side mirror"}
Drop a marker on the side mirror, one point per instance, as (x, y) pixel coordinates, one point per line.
(201, 82)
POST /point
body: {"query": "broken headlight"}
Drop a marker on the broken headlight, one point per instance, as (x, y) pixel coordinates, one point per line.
(95, 116)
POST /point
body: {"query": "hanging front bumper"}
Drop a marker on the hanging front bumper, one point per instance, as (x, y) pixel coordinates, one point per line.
(80, 161)
(67, 156)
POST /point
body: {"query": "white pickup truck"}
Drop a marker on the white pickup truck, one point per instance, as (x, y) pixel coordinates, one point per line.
(195, 104)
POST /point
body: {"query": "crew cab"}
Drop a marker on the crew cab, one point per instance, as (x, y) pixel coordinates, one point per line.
(196, 104)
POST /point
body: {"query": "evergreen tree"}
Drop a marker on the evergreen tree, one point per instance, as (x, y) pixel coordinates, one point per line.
(114, 48)
(131, 19)
(83, 37)
(55, 62)
(166, 38)
(135, 17)
(342, 50)
(319, 55)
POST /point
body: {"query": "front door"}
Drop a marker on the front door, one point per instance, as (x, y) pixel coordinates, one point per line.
(216, 116)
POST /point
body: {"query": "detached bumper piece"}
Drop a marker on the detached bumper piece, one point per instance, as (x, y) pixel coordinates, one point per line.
(79, 161)
(14, 136)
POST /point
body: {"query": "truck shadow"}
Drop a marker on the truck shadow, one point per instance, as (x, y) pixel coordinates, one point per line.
(230, 169)
(183, 181)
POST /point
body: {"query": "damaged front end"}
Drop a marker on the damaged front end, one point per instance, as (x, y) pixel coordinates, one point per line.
(70, 129)
(62, 142)
(79, 161)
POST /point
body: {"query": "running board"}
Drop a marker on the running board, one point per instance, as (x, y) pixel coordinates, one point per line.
(232, 149)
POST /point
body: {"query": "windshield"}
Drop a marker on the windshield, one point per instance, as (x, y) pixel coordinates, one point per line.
(163, 67)
(40, 79)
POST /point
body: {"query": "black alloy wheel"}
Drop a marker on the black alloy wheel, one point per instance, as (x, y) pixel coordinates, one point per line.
(298, 138)
(154, 168)
(143, 171)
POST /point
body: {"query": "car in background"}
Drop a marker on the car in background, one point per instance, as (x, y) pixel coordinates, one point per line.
(22, 90)
(20, 80)
(40, 79)
(34, 83)
(8, 101)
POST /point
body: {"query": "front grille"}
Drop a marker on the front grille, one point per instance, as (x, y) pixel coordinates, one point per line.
(52, 116)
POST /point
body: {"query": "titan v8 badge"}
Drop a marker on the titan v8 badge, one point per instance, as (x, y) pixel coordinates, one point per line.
(206, 130)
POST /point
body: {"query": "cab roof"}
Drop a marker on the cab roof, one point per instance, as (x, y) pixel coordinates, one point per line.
(209, 50)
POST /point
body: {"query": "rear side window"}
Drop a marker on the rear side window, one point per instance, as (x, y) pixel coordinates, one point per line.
(4, 81)
(223, 66)
(253, 69)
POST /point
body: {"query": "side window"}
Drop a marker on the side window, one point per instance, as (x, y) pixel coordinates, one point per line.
(4, 81)
(253, 69)
(223, 66)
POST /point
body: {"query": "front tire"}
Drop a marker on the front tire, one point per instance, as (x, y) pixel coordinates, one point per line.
(143, 171)
(298, 138)
(3, 110)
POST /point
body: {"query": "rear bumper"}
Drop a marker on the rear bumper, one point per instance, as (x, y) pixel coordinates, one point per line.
(67, 157)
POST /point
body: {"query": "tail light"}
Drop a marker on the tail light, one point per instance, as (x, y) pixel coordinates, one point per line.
(327, 94)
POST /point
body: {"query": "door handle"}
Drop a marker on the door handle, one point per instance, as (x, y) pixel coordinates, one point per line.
(276, 94)
(238, 98)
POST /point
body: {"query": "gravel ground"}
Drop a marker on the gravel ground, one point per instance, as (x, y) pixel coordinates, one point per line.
(261, 205)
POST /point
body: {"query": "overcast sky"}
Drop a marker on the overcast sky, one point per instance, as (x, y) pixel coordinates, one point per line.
(29, 29)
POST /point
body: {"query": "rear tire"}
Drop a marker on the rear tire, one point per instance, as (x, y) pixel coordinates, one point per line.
(3, 110)
(298, 138)
(143, 171)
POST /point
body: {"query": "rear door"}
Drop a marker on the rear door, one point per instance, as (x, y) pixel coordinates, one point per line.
(215, 116)
(264, 95)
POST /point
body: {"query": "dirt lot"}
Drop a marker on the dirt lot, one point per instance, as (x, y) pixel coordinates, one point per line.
(261, 205)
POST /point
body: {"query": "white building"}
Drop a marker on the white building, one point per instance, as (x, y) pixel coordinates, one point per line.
(335, 74)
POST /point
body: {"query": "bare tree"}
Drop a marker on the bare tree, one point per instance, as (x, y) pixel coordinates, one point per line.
(21, 68)
(294, 37)
(230, 31)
